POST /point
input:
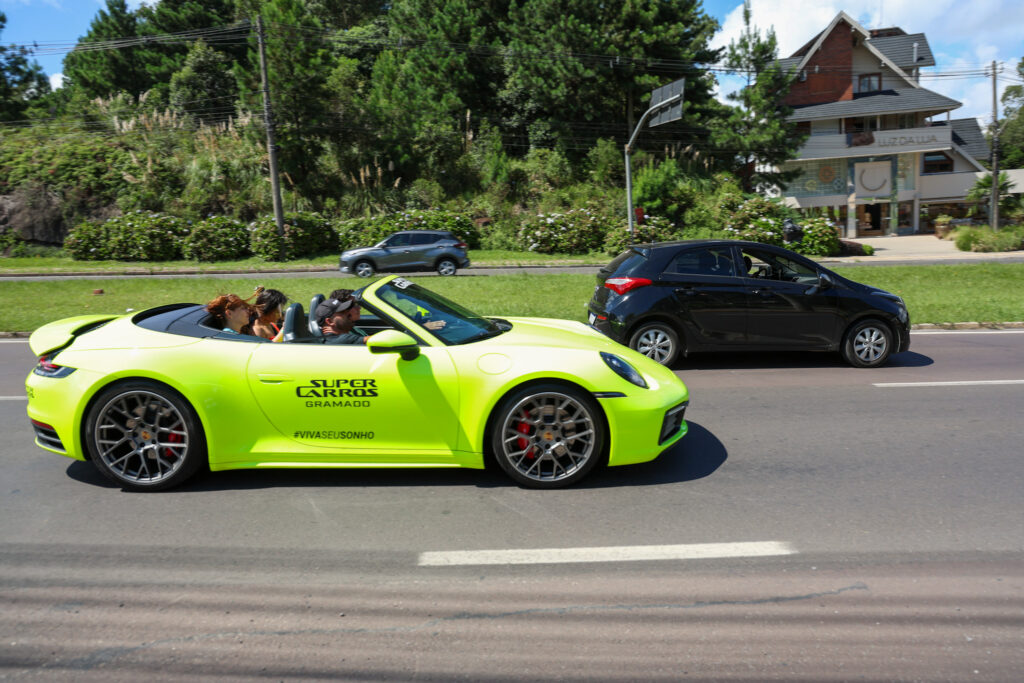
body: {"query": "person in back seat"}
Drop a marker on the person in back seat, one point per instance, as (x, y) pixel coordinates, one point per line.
(231, 313)
(270, 305)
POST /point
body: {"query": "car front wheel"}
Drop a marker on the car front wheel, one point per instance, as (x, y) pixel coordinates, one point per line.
(867, 344)
(657, 341)
(363, 269)
(144, 437)
(548, 436)
(446, 267)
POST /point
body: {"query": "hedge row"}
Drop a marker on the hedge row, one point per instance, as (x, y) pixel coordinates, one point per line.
(142, 236)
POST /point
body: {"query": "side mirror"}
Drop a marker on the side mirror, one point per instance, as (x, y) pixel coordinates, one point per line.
(824, 282)
(393, 341)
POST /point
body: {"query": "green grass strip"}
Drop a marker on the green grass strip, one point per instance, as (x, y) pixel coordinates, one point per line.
(980, 292)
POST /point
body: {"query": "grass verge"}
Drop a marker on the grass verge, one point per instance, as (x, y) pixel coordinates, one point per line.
(981, 292)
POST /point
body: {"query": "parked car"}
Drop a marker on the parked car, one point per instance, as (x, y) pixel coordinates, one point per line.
(437, 250)
(673, 298)
(547, 400)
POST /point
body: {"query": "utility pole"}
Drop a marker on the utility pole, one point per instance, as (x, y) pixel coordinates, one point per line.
(994, 210)
(268, 120)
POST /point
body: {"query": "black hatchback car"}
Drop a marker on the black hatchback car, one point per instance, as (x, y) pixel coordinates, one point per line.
(673, 298)
(437, 250)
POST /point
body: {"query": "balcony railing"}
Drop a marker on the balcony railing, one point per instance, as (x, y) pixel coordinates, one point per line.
(877, 143)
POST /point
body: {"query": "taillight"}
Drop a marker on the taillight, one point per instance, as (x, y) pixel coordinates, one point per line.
(462, 245)
(621, 285)
(47, 368)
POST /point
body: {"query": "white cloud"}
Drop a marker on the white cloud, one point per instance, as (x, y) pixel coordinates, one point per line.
(963, 37)
(56, 81)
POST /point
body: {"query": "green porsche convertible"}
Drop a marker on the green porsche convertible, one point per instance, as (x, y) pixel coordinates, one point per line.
(152, 397)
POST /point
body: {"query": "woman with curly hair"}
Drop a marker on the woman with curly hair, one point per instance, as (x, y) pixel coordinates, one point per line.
(232, 313)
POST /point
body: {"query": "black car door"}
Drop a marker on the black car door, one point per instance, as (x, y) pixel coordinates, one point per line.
(709, 296)
(788, 307)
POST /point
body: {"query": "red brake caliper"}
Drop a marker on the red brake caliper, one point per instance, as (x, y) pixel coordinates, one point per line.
(524, 428)
(172, 438)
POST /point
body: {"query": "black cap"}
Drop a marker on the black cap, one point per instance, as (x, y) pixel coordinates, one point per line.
(329, 307)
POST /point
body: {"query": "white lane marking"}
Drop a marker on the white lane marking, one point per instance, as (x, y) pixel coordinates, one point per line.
(967, 332)
(628, 553)
(13, 341)
(13, 398)
(966, 383)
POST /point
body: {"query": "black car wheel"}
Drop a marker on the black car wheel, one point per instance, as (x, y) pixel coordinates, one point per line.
(548, 436)
(657, 341)
(143, 436)
(447, 267)
(867, 344)
(363, 269)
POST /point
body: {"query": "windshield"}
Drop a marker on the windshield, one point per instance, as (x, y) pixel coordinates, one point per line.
(447, 320)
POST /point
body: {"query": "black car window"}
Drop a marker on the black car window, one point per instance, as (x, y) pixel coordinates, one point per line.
(714, 261)
(397, 241)
(768, 265)
(424, 238)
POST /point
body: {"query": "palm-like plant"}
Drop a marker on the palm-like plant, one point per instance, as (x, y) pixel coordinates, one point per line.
(982, 194)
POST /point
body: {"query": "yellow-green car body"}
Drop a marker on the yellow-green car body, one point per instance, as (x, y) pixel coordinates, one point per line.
(151, 396)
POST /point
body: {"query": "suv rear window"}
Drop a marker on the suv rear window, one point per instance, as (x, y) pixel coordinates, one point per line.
(425, 238)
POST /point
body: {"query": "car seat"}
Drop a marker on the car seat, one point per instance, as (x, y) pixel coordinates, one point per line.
(748, 265)
(294, 323)
(314, 324)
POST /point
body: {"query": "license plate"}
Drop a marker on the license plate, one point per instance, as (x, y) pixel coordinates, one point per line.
(592, 318)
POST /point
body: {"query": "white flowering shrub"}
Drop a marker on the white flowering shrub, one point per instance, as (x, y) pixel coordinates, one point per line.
(758, 220)
(653, 229)
(577, 231)
(135, 236)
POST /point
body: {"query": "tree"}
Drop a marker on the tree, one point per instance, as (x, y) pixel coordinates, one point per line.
(756, 135)
(577, 69)
(103, 71)
(298, 67)
(981, 192)
(205, 87)
(1011, 140)
(21, 81)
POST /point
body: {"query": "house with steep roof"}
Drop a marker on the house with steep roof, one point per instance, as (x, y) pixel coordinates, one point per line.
(883, 155)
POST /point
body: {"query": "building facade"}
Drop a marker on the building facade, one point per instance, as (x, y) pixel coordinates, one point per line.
(883, 155)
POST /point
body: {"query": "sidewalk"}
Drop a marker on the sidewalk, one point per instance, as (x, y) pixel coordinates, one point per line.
(918, 247)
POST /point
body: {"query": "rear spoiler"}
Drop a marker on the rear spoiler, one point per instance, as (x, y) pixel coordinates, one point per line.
(57, 335)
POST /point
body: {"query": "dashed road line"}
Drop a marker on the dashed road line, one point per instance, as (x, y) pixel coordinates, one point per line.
(964, 383)
(633, 553)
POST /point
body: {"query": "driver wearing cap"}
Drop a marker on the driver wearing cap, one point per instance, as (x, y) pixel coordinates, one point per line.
(337, 317)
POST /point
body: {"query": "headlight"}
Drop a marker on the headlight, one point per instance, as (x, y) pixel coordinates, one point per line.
(623, 369)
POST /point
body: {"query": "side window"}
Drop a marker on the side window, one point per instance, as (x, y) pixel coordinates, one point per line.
(702, 262)
(423, 238)
(769, 266)
(397, 241)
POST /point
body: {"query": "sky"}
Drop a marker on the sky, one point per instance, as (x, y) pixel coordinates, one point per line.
(964, 36)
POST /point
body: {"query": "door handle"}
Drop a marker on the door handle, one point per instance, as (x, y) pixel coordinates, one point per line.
(688, 291)
(764, 292)
(273, 379)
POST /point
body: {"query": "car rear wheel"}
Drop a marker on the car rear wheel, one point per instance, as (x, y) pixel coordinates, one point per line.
(446, 266)
(657, 341)
(867, 344)
(144, 436)
(548, 436)
(363, 269)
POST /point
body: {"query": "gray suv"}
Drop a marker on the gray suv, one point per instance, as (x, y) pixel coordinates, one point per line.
(437, 250)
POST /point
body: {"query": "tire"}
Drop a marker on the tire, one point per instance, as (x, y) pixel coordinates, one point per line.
(547, 436)
(446, 266)
(144, 436)
(363, 269)
(657, 341)
(867, 344)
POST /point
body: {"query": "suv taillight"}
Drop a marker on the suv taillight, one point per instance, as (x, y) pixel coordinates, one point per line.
(621, 285)
(462, 245)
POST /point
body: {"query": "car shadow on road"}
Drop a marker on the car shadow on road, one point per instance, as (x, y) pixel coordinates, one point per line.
(695, 456)
(781, 360)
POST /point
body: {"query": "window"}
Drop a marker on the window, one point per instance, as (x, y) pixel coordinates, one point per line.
(907, 121)
(702, 262)
(861, 124)
(869, 82)
(424, 238)
(397, 240)
(770, 266)
(936, 162)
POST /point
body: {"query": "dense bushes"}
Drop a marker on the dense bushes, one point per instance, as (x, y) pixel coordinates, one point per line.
(578, 231)
(135, 236)
(305, 234)
(218, 238)
(987, 240)
(820, 238)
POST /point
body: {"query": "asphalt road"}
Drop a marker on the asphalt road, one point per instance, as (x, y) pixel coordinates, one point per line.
(887, 505)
